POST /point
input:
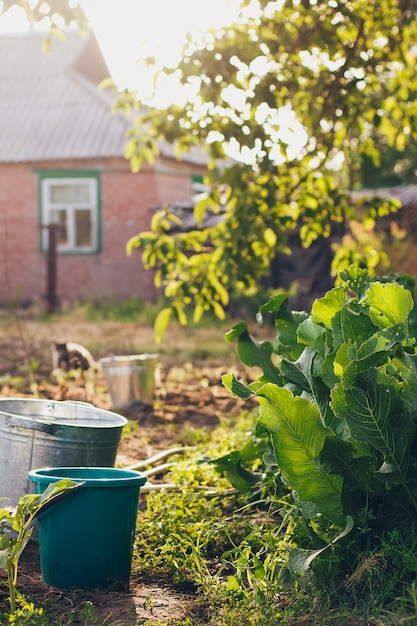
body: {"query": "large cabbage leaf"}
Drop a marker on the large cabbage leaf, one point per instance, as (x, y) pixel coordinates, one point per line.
(298, 436)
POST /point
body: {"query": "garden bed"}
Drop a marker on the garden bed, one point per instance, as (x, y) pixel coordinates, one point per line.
(189, 400)
(189, 405)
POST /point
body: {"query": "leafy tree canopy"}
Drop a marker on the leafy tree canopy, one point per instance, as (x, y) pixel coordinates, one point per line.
(54, 14)
(297, 92)
(294, 97)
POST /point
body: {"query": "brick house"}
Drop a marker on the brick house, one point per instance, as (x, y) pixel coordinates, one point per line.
(62, 161)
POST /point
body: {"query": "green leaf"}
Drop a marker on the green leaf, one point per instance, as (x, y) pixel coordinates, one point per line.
(304, 377)
(219, 311)
(358, 279)
(382, 341)
(298, 436)
(389, 304)
(219, 288)
(198, 313)
(320, 394)
(236, 388)
(310, 334)
(358, 469)
(353, 327)
(371, 352)
(161, 323)
(344, 355)
(406, 365)
(357, 366)
(324, 309)
(270, 238)
(259, 570)
(232, 584)
(299, 372)
(236, 331)
(253, 354)
(5, 548)
(328, 371)
(106, 83)
(239, 477)
(299, 560)
(374, 413)
(181, 315)
(273, 305)
(287, 323)
(19, 546)
(132, 244)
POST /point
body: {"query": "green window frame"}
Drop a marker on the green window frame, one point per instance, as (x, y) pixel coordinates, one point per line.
(198, 186)
(72, 200)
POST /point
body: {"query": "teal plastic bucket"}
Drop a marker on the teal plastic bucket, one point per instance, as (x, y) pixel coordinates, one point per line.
(86, 540)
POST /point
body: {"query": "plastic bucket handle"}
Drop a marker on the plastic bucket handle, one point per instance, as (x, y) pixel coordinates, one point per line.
(59, 497)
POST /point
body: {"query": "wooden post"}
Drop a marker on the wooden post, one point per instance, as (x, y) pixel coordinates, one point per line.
(51, 296)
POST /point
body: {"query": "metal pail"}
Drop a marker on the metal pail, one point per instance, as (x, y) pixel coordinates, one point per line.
(130, 379)
(45, 433)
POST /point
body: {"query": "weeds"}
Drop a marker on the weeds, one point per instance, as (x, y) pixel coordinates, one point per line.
(16, 527)
(27, 615)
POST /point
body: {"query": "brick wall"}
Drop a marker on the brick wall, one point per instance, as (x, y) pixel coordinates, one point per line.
(127, 202)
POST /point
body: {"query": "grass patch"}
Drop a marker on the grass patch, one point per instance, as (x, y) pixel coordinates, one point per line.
(131, 310)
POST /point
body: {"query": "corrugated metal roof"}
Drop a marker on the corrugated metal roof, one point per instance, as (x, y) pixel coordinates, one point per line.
(49, 107)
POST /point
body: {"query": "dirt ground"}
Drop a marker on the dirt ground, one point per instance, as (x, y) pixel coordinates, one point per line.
(189, 397)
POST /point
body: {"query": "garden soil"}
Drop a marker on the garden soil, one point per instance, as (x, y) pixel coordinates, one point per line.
(190, 397)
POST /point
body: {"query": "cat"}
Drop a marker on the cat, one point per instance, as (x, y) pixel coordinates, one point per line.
(67, 355)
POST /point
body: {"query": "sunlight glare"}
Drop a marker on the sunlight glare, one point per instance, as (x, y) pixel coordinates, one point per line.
(129, 31)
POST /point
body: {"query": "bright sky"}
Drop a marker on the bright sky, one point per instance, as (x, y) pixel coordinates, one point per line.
(130, 30)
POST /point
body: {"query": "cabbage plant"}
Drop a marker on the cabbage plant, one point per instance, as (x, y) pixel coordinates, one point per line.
(338, 397)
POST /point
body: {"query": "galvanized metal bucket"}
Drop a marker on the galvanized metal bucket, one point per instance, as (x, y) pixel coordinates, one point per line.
(43, 433)
(130, 379)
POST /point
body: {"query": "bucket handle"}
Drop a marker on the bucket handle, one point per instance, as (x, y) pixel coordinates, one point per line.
(58, 498)
(45, 427)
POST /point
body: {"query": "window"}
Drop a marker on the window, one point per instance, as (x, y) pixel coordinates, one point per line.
(71, 202)
(198, 187)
